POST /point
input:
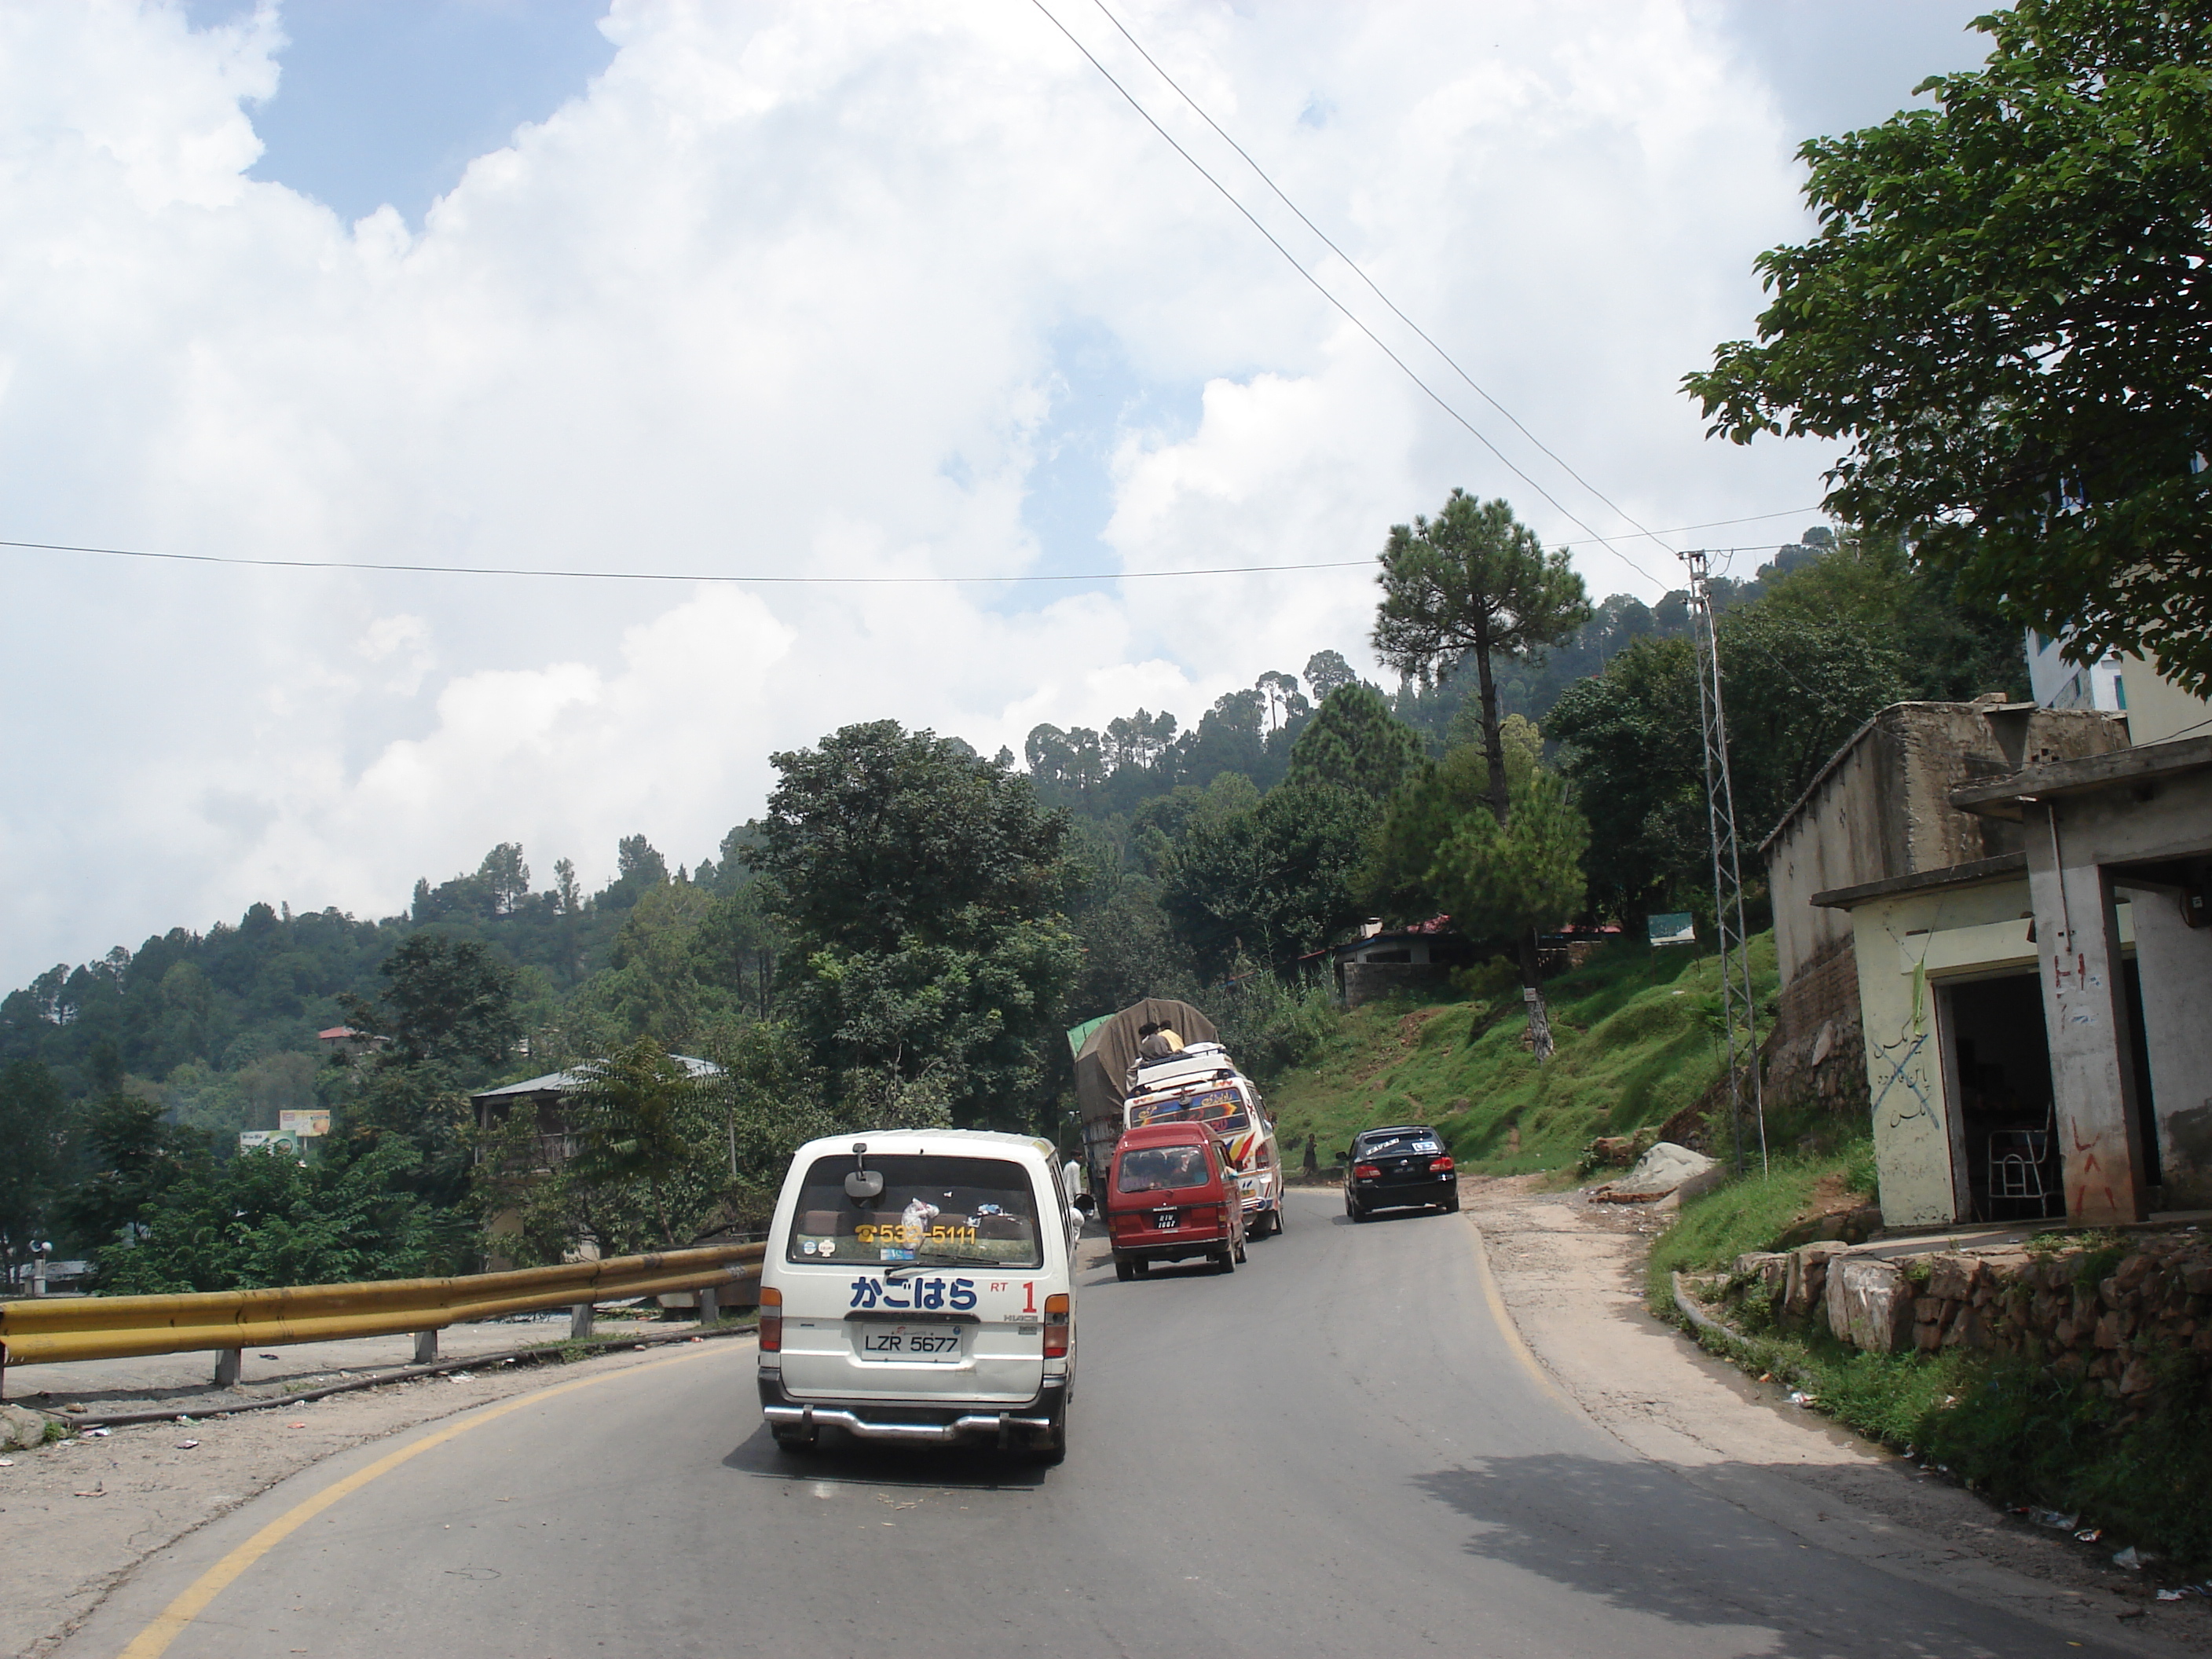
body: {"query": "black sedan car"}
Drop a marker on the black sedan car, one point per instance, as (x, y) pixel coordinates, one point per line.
(1396, 1169)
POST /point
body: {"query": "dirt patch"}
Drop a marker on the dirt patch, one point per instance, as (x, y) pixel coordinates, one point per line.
(1571, 1275)
(98, 1506)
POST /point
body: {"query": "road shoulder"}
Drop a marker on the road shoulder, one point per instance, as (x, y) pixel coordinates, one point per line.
(1571, 1273)
(99, 1506)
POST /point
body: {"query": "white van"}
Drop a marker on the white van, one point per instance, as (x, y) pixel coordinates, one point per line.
(919, 1286)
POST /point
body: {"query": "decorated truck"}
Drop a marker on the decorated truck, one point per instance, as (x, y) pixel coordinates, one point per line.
(1188, 1078)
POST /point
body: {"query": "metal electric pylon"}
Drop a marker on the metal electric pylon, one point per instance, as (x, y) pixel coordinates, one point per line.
(1739, 1014)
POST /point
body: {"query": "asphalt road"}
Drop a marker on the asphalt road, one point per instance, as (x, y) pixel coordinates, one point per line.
(1335, 1450)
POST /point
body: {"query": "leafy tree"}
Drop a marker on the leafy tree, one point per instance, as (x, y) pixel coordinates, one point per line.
(1475, 581)
(133, 1158)
(1632, 750)
(264, 1218)
(1426, 812)
(1355, 742)
(2005, 313)
(882, 835)
(650, 1165)
(1800, 678)
(1274, 882)
(35, 1128)
(921, 886)
(1283, 699)
(443, 999)
(1506, 879)
(1328, 672)
(505, 876)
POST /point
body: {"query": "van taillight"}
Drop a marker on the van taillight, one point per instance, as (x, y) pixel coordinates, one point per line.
(1440, 1166)
(771, 1321)
(1056, 1327)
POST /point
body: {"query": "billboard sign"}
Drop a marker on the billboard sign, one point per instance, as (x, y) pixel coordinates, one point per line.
(1675, 927)
(304, 1124)
(249, 1139)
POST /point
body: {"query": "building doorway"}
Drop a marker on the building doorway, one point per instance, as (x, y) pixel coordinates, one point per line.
(2003, 1135)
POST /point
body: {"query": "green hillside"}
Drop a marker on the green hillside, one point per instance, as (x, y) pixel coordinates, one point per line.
(1637, 1042)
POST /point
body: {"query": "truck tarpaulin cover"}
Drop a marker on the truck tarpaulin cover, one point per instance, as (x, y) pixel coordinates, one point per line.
(1103, 1062)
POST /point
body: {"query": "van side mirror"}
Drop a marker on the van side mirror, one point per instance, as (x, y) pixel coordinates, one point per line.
(865, 1184)
(1085, 1203)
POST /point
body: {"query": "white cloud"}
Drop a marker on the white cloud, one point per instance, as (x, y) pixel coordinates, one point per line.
(777, 294)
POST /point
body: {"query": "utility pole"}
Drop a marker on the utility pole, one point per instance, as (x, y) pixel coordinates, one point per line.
(1739, 1014)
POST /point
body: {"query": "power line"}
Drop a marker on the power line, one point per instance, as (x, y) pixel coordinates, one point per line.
(1322, 288)
(396, 567)
(1353, 264)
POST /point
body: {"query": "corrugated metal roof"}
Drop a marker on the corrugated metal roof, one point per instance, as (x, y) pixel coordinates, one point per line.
(560, 1083)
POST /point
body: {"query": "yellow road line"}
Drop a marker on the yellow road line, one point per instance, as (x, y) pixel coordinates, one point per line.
(1502, 1318)
(170, 1623)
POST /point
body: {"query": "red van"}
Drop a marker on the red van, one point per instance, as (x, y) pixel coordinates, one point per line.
(1172, 1194)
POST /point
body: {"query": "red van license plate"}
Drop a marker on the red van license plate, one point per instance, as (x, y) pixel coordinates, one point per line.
(1164, 1220)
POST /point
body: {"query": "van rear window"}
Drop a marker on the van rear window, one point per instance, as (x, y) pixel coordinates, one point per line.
(1223, 1109)
(1161, 1168)
(954, 1210)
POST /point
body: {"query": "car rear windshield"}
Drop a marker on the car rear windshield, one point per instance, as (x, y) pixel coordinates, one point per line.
(932, 1208)
(1407, 1141)
(1161, 1168)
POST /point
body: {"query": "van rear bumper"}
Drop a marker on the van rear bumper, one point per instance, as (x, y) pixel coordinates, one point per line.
(918, 1422)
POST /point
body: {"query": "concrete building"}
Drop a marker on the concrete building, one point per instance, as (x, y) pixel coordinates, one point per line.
(1880, 812)
(2120, 874)
(2002, 913)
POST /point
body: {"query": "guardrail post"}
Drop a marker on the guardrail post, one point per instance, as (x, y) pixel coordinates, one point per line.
(227, 1364)
(710, 1306)
(579, 1322)
(426, 1345)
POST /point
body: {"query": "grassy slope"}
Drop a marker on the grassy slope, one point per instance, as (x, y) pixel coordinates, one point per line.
(1635, 1045)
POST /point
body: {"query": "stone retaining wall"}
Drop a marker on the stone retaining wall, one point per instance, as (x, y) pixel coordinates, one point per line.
(2112, 1314)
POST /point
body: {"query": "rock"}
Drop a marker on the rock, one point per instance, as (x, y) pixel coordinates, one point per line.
(1952, 1276)
(22, 1428)
(1661, 1170)
(1869, 1303)
(1809, 1278)
(1772, 1269)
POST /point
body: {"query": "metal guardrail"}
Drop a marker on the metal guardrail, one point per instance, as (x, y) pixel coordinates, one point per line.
(38, 1331)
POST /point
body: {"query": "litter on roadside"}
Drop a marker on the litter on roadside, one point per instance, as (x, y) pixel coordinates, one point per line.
(270, 1356)
(2132, 1559)
(462, 1376)
(1799, 1397)
(186, 1446)
(295, 1425)
(2055, 1520)
(98, 1434)
(7, 1462)
(183, 1419)
(2090, 1535)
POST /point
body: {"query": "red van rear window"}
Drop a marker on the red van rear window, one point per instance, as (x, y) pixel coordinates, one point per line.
(1162, 1170)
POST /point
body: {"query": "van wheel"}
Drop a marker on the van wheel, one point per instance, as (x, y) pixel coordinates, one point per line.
(1226, 1261)
(790, 1436)
(1124, 1272)
(1141, 1267)
(1240, 1253)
